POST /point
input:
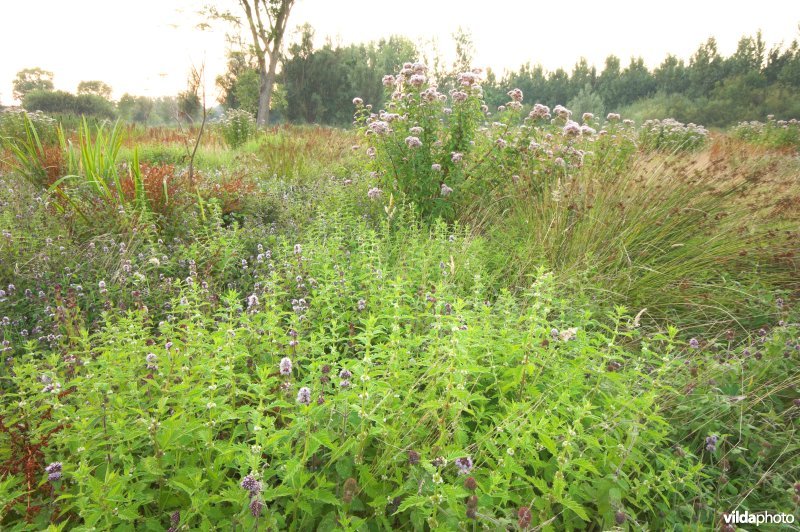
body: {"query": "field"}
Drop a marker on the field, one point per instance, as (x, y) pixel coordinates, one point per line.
(441, 318)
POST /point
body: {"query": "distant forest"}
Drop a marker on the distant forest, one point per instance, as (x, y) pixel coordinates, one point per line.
(317, 85)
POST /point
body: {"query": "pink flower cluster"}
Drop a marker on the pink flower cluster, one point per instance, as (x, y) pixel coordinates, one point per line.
(515, 95)
(539, 111)
(562, 112)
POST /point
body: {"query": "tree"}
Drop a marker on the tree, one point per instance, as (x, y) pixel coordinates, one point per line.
(98, 88)
(31, 79)
(266, 20)
(189, 101)
(135, 108)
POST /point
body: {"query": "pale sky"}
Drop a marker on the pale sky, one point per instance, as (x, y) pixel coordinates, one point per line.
(148, 46)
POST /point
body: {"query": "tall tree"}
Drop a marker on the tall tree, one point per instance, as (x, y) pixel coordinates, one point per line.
(95, 87)
(32, 79)
(267, 22)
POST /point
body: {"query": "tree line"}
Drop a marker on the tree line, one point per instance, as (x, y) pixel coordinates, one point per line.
(317, 84)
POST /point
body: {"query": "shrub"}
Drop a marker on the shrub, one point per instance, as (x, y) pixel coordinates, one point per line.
(200, 414)
(61, 102)
(237, 126)
(12, 126)
(772, 134)
(671, 136)
(445, 159)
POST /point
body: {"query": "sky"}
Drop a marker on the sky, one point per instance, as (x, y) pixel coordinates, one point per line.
(148, 47)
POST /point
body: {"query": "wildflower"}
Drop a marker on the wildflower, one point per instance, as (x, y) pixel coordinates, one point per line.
(379, 127)
(458, 96)
(445, 190)
(619, 517)
(711, 443)
(53, 471)
(436, 167)
(362, 304)
(345, 374)
(286, 366)
(587, 116)
(539, 111)
(256, 506)
(374, 193)
(464, 465)
(562, 112)
(456, 156)
(524, 516)
(358, 102)
(388, 80)
(251, 484)
(151, 360)
(515, 95)
(501, 143)
(413, 142)
(371, 152)
(613, 117)
(413, 457)
(572, 129)
(252, 301)
(778, 302)
(304, 396)
(467, 79)
(417, 80)
(694, 344)
(102, 286)
(470, 483)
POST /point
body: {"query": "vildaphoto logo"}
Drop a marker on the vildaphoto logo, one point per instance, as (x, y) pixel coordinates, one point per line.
(757, 518)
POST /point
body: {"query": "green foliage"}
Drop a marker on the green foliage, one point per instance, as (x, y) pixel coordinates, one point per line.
(237, 126)
(31, 79)
(772, 134)
(671, 136)
(135, 108)
(31, 151)
(14, 125)
(443, 376)
(587, 101)
(320, 84)
(98, 88)
(61, 102)
(94, 187)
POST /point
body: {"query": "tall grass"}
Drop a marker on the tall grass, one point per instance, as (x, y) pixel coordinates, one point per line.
(650, 236)
(95, 177)
(31, 157)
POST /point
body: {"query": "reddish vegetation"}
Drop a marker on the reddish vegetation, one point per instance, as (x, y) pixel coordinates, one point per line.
(162, 186)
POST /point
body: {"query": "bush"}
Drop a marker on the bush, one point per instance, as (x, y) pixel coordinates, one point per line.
(12, 126)
(320, 442)
(237, 126)
(671, 136)
(772, 134)
(61, 102)
(446, 160)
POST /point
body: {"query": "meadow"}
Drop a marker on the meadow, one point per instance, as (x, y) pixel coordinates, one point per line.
(445, 317)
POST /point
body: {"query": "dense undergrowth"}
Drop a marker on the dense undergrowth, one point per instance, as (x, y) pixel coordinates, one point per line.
(456, 320)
